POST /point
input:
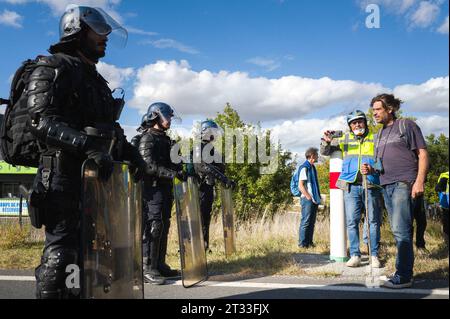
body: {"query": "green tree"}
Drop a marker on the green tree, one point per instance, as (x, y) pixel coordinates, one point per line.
(323, 174)
(438, 155)
(256, 194)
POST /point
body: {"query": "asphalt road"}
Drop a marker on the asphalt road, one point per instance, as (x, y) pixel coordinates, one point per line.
(21, 285)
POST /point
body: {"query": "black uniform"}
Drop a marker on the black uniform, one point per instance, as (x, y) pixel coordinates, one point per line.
(154, 147)
(66, 96)
(207, 180)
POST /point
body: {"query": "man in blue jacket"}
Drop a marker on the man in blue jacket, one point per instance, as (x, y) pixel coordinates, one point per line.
(308, 184)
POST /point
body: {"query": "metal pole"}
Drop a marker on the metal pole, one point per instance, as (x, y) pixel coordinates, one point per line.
(20, 211)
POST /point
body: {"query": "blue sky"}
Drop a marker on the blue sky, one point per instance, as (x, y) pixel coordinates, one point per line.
(296, 66)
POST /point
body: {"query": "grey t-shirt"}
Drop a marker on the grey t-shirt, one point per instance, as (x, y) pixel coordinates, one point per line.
(398, 154)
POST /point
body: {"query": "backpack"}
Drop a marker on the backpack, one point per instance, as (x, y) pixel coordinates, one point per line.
(294, 182)
(17, 144)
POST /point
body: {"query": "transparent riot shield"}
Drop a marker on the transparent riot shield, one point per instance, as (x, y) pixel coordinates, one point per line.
(228, 220)
(111, 235)
(190, 236)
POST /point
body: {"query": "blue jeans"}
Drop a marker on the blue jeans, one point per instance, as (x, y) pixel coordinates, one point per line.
(306, 230)
(354, 201)
(399, 204)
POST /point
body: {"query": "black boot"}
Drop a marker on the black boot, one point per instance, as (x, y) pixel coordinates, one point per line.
(151, 272)
(163, 268)
(167, 272)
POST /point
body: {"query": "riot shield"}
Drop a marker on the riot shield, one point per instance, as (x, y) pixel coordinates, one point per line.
(226, 197)
(111, 235)
(190, 236)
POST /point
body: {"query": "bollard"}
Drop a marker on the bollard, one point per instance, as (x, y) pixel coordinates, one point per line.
(338, 234)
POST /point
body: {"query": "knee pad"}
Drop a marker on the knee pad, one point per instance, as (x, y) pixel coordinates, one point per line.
(156, 229)
(51, 273)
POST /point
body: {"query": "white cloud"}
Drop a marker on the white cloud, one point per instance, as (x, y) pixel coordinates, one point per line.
(444, 27)
(130, 131)
(434, 124)
(114, 75)
(300, 134)
(170, 44)
(431, 96)
(268, 64)
(418, 14)
(11, 19)
(140, 32)
(205, 92)
(394, 6)
(425, 15)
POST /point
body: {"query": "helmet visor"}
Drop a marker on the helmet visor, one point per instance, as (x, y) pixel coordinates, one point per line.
(171, 117)
(101, 23)
(106, 25)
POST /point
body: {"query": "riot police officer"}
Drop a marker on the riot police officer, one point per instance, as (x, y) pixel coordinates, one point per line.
(207, 173)
(74, 117)
(155, 146)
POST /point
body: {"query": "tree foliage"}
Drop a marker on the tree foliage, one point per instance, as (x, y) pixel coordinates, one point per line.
(438, 154)
(256, 194)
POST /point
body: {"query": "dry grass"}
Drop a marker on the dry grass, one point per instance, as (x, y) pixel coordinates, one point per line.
(268, 247)
(263, 248)
(20, 248)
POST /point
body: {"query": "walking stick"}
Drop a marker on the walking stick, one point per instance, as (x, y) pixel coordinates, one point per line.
(366, 202)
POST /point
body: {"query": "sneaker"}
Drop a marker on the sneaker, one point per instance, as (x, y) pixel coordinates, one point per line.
(375, 262)
(355, 261)
(397, 282)
(153, 277)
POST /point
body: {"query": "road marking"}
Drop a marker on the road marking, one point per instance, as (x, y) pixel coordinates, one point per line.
(361, 288)
(17, 278)
(267, 286)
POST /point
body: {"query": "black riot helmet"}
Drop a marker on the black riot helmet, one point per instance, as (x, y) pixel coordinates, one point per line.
(210, 129)
(75, 22)
(99, 21)
(161, 112)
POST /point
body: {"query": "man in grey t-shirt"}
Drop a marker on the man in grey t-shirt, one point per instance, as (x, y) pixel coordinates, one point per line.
(402, 160)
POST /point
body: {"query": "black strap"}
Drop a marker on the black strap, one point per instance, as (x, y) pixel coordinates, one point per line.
(48, 166)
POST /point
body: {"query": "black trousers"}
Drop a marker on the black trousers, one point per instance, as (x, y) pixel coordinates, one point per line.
(62, 245)
(157, 206)
(421, 221)
(206, 193)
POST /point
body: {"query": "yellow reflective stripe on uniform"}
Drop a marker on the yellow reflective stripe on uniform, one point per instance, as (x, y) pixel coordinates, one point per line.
(351, 146)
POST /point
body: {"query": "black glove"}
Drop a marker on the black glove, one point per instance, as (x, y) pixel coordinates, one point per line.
(182, 175)
(137, 172)
(104, 162)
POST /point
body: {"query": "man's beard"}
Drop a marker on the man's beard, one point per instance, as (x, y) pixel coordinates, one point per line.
(90, 50)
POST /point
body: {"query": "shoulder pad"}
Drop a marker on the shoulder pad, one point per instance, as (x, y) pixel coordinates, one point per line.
(58, 60)
(49, 61)
(147, 137)
(147, 141)
(135, 140)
